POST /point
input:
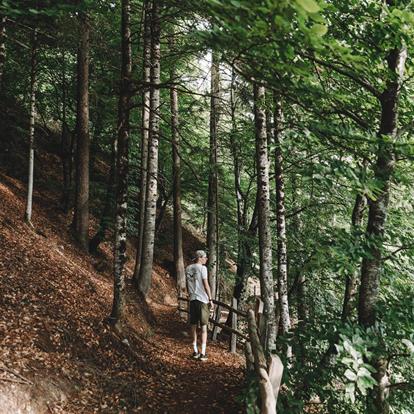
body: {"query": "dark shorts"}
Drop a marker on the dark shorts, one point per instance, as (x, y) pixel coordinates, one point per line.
(199, 313)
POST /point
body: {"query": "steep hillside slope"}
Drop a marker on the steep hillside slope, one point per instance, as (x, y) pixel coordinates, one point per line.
(57, 354)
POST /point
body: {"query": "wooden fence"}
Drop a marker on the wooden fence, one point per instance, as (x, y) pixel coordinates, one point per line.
(269, 371)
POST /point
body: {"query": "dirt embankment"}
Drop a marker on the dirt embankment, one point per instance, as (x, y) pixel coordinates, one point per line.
(57, 355)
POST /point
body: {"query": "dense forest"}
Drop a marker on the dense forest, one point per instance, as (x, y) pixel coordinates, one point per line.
(279, 132)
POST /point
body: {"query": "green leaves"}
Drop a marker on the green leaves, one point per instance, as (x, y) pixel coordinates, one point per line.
(319, 29)
(353, 350)
(311, 6)
(409, 345)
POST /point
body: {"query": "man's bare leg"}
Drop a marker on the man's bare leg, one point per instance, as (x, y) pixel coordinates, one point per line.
(203, 339)
(194, 335)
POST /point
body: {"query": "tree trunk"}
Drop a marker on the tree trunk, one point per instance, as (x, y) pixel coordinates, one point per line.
(33, 69)
(66, 145)
(122, 166)
(178, 231)
(282, 271)
(302, 307)
(212, 225)
(81, 214)
(162, 203)
(2, 47)
(144, 134)
(107, 212)
(147, 256)
(371, 263)
(351, 280)
(265, 238)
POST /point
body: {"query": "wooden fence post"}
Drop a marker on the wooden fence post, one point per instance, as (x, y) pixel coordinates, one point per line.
(233, 338)
(265, 385)
(215, 327)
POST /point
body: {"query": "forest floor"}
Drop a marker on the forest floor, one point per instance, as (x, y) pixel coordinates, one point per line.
(56, 353)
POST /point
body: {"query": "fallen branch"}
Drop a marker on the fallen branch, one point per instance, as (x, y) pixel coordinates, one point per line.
(10, 371)
(14, 381)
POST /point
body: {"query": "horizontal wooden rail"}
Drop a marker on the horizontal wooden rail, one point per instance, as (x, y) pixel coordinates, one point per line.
(225, 305)
(222, 326)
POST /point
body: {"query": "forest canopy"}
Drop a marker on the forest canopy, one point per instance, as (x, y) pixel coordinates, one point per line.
(282, 131)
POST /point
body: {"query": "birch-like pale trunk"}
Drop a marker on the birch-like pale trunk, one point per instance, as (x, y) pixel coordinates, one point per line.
(377, 214)
(144, 134)
(81, 214)
(212, 219)
(265, 237)
(122, 166)
(3, 22)
(147, 257)
(282, 258)
(30, 176)
(178, 231)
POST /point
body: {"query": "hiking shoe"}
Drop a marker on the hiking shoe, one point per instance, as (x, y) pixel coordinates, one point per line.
(195, 355)
(203, 357)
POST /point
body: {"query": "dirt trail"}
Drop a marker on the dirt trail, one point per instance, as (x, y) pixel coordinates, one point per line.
(195, 386)
(52, 306)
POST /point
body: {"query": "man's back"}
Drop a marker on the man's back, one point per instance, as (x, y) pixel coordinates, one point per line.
(195, 273)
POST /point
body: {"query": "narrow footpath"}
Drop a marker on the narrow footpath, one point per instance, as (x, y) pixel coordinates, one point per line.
(193, 386)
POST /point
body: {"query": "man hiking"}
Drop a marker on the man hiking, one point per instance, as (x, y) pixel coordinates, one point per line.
(200, 301)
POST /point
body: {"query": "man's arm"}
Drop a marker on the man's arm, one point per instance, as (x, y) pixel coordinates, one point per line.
(207, 289)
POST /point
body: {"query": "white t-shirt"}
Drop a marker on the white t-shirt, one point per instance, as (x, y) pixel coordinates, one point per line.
(195, 274)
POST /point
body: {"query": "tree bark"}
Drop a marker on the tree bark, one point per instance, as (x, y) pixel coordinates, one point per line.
(144, 135)
(371, 263)
(265, 238)
(282, 271)
(351, 280)
(302, 307)
(33, 70)
(107, 212)
(66, 144)
(147, 256)
(122, 166)
(243, 248)
(212, 219)
(3, 22)
(178, 231)
(81, 214)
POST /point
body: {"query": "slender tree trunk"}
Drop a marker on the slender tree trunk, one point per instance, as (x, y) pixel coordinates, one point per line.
(147, 257)
(107, 212)
(81, 214)
(244, 234)
(144, 134)
(212, 219)
(265, 238)
(351, 280)
(282, 271)
(3, 22)
(33, 69)
(371, 263)
(178, 231)
(162, 203)
(122, 166)
(242, 253)
(65, 142)
(302, 307)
